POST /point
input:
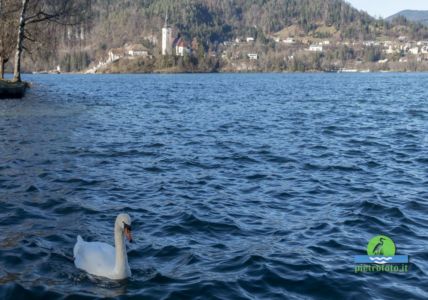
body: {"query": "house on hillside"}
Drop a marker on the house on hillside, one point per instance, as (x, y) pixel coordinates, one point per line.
(180, 46)
(414, 50)
(253, 56)
(137, 50)
(289, 40)
(315, 48)
(250, 39)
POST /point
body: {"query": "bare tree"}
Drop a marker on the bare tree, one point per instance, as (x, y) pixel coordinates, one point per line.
(7, 36)
(33, 12)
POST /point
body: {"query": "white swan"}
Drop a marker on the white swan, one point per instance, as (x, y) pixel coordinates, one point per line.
(102, 259)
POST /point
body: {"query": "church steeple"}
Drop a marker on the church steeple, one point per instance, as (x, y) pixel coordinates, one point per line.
(166, 37)
(166, 20)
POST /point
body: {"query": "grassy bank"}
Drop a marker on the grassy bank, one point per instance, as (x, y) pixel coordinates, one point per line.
(10, 89)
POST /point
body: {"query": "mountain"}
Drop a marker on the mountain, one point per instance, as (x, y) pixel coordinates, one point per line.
(412, 15)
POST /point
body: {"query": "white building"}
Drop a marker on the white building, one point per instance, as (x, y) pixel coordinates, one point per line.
(180, 47)
(315, 48)
(424, 50)
(253, 56)
(289, 41)
(138, 53)
(391, 50)
(250, 39)
(137, 50)
(166, 38)
(414, 50)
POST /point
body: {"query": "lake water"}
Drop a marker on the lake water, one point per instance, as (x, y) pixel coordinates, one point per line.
(257, 186)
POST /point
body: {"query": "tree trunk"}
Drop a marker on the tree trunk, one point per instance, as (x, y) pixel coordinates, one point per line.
(20, 42)
(2, 62)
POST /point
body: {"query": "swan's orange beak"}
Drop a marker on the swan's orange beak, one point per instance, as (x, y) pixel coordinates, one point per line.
(128, 234)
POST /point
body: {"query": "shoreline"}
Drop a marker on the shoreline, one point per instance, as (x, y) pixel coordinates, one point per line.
(237, 72)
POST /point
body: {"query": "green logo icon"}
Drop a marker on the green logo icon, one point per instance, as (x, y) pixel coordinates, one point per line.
(381, 246)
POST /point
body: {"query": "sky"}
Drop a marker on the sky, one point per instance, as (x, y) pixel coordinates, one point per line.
(386, 8)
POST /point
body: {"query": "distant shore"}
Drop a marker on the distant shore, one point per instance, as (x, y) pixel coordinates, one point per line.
(176, 71)
(235, 72)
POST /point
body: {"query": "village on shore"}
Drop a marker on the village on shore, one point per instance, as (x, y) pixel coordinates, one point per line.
(287, 50)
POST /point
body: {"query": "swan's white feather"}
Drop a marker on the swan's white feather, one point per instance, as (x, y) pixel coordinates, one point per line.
(101, 259)
(94, 257)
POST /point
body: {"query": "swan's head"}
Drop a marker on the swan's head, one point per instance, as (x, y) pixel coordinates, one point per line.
(123, 222)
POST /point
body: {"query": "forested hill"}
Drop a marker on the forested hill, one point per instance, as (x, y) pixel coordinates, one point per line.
(412, 15)
(223, 20)
(118, 21)
(115, 23)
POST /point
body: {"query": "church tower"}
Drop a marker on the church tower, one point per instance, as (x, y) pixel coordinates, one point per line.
(166, 38)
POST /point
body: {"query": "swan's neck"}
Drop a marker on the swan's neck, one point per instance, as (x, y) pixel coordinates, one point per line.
(120, 249)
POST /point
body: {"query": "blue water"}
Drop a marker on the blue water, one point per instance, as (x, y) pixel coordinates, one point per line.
(261, 186)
